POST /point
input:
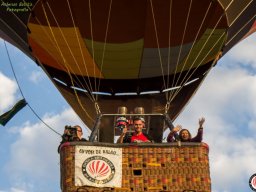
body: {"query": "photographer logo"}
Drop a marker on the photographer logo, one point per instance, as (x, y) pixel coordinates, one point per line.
(252, 182)
(98, 169)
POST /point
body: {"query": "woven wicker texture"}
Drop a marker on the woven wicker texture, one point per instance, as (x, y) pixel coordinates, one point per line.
(150, 168)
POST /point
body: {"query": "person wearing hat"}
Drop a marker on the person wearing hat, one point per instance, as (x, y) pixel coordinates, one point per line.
(138, 136)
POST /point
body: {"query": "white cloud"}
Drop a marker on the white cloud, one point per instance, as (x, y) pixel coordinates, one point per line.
(20, 186)
(17, 190)
(8, 88)
(244, 52)
(36, 76)
(33, 156)
(227, 101)
(14, 189)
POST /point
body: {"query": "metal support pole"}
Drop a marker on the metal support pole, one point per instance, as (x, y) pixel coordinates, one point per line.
(168, 121)
(171, 126)
(95, 128)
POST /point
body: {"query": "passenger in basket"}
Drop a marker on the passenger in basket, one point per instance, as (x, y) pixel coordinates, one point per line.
(138, 136)
(184, 134)
(70, 134)
(79, 132)
(74, 133)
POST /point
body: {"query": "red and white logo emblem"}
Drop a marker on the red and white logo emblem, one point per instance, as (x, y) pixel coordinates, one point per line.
(252, 182)
(98, 169)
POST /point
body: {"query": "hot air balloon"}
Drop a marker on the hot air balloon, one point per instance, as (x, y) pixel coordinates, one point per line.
(103, 54)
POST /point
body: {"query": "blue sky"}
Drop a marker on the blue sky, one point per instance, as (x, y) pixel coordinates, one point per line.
(29, 161)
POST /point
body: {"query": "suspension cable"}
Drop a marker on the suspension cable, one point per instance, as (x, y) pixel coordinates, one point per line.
(169, 48)
(16, 79)
(186, 79)
(51, 40)
(199, 53)
(65, 63)
(181, 45)
(76, 80)
(105, 42)
(190, 50)
(241, 28)
(81, 51)
(92, 43)
(157, 41)
(70, 51)
(240, 13)
(61, 66)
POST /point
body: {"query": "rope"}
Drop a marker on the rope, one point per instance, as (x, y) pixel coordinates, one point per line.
(170, 95)
(92, 41)
(213, 63)
(169, 48)
(16, 79)
(199, 53)
(157, 41)
(51, 54)
(239, 13)
(56, 46)
(185, 63)
(105, 42)
(176, 93)
(253, 17)
(80, 48)
(71, 52)
(183, 36)
(64, 61)
(61, 66)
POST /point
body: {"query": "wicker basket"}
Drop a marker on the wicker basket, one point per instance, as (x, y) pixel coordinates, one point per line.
(149, 167)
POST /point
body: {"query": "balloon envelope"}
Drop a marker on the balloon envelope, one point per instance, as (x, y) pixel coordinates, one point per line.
(102, 54)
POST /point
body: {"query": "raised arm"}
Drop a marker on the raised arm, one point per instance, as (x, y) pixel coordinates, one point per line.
(174, 131)
(201, 122)
(121, 138)
(199, 136)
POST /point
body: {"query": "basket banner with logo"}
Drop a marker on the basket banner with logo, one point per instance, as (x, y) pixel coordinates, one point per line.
(98, 166)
